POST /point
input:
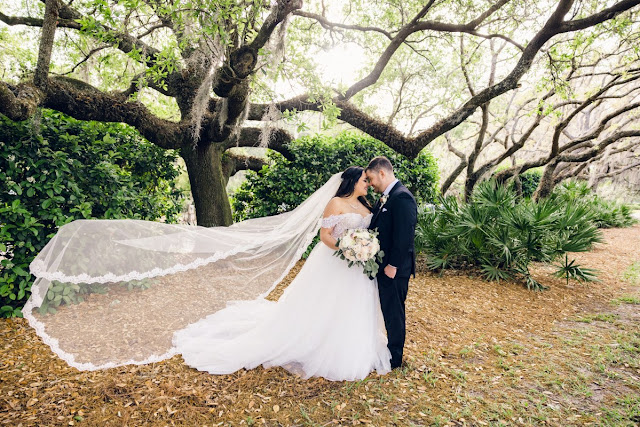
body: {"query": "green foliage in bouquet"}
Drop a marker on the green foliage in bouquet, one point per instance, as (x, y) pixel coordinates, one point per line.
(284, 184)
(354, 241)
(500, 235)
(54, 169)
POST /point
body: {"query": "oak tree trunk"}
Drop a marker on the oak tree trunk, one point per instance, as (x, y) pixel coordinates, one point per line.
(469, 184)
(208, 184)
(547, 183)
(517, 185)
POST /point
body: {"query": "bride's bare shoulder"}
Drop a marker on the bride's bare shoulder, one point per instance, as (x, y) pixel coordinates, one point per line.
(334, 207)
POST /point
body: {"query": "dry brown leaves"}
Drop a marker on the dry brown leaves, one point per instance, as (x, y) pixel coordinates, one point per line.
(478, 353)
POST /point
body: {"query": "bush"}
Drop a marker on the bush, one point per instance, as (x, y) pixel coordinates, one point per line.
(605, 213)
(529, 181)
(58, 169)
(284, 184)
(501, 236)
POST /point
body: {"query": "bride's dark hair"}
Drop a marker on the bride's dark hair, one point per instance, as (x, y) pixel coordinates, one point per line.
(350, 177)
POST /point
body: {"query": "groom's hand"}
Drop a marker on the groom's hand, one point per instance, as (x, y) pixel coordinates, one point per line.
(390, 271)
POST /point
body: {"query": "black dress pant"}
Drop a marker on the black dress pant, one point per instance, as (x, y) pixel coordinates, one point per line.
(393, 293)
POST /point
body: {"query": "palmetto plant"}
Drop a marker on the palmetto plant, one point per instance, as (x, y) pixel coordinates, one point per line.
(501, 235)
(571, 270)
(605, 213)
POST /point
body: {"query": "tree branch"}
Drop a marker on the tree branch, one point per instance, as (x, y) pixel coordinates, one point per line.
(238, 162)
(86, 58)
(41, 75)
(35, 22)
(406, 31)
(331, 25)
(619, 171)
(84, 102)
(277, 15)
(497, 36)
(411, 146)
(251, 136)
(21, 102)
(596, 18)
(601, 127)
(457, 171)
(67, 19)
(587, 154)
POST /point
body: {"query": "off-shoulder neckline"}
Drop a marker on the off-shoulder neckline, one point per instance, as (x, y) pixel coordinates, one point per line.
(350, 213)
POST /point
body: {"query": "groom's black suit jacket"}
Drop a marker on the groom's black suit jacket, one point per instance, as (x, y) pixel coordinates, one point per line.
(396, 224)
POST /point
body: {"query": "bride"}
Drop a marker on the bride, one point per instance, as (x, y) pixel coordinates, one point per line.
(327, 323)
(146, 291)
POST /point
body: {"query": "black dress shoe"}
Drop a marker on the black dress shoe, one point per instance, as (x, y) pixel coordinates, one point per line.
(402, 365)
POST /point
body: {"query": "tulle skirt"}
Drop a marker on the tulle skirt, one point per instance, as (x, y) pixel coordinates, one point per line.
(327, 323)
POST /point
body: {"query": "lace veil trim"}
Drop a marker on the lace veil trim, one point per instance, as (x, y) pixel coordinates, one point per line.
(117, 290)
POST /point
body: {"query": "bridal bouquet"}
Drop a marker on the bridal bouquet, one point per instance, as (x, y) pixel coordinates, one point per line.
(360, 246)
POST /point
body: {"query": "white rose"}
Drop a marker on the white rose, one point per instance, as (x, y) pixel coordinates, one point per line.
(369, 253)
(346, 242)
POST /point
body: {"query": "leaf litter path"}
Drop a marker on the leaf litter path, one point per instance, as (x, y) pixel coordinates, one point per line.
(478, 353)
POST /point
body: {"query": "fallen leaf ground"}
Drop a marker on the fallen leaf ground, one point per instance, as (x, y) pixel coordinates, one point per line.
(478, 353)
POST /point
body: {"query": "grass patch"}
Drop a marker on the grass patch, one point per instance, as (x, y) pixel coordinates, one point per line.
(626, 299)
(600, 317)
(625, 412)
(632, 274)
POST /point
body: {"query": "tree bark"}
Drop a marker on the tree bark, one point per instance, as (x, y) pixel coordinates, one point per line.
(208, 184)
(474, 176)
(517, 185)
(40, 77)
(452, 177)
(547, 183)
(20, 102)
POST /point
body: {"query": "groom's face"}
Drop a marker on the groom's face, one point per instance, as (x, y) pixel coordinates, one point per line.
(375, 181)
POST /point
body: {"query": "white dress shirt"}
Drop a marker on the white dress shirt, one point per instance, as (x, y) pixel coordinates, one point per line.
(388, 190)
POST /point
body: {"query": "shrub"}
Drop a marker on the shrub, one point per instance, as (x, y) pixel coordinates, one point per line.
(284, 184)
(605, 213)
(529, 181)
(501, 236)
(58, 169)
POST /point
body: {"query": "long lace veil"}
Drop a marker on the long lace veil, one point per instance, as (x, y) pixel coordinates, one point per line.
(113, 292)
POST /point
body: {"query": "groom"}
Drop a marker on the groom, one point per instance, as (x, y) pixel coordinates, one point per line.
(395, 217)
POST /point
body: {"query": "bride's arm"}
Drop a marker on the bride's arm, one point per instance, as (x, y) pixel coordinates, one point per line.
(333, 208)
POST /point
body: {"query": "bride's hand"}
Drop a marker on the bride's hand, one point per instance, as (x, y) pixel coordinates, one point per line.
(328, 239)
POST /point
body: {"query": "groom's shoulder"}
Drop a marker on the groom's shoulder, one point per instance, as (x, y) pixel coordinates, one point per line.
(405, 196)
(402, 190)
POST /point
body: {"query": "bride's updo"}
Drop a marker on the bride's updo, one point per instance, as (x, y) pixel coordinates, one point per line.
(350, 177)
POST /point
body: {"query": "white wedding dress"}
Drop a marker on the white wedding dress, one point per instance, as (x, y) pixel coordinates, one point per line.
(110, 293)
(327, 323)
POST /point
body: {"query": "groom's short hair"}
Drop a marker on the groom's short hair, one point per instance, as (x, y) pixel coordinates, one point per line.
(380, 162)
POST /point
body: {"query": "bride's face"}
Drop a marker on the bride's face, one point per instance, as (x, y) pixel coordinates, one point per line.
(361, 187)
